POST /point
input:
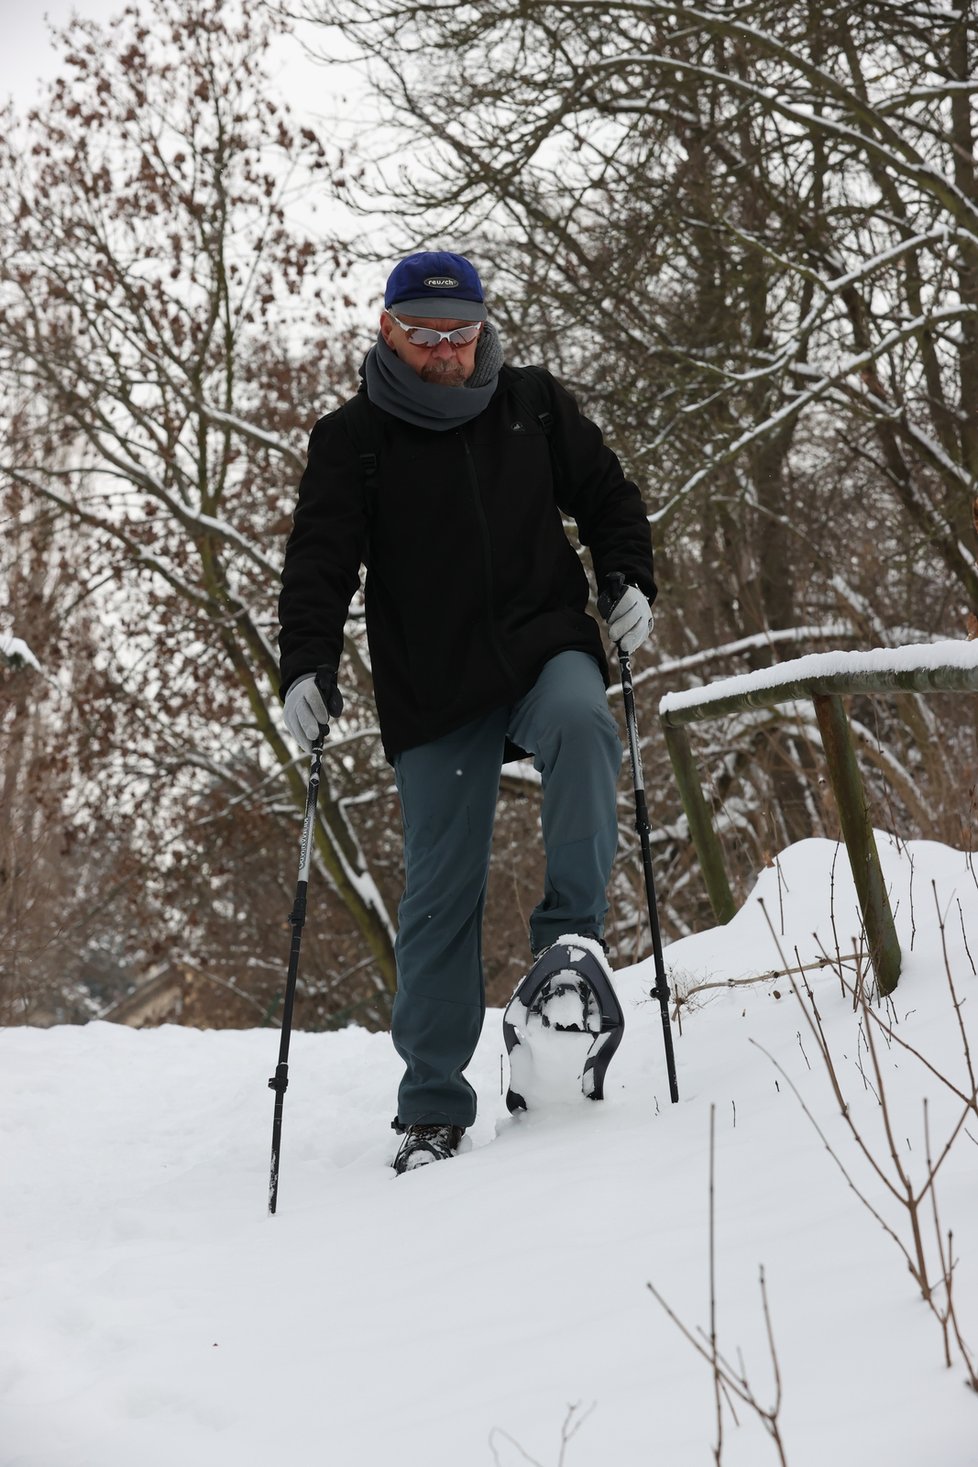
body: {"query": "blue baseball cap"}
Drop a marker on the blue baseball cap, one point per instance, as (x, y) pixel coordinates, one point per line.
(436, 283)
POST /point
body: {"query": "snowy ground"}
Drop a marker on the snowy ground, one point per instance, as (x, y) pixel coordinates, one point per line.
(153, 1315)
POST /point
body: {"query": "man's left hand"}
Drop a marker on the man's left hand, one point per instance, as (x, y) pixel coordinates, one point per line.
(630, 620)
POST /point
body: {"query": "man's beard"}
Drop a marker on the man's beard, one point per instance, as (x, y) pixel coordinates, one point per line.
(449, 373)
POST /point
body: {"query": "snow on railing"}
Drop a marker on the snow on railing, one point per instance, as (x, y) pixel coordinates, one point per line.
(945, 666)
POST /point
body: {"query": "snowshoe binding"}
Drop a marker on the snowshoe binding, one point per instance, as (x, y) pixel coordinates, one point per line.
(562, 1026)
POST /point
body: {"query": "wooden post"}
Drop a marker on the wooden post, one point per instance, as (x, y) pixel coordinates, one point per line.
(705, 838)
(857, 831)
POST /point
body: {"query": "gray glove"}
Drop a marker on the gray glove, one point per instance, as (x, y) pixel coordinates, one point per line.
(307, 710)
(629, 619)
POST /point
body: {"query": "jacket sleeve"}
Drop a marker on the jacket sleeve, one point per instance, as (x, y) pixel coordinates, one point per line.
(609, 510)
(323, 555)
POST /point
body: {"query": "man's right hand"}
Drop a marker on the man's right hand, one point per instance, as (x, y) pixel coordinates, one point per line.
(310, 703)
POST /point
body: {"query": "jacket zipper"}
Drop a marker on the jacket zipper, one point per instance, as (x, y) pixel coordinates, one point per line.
(501, 658)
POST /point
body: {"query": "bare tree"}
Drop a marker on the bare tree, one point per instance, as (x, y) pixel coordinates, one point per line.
(167, 329)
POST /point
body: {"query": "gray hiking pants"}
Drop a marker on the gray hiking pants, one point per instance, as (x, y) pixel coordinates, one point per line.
(448, 791)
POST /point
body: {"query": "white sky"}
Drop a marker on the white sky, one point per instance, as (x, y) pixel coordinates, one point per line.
(333, 98)
(27, 54)
(28, 57)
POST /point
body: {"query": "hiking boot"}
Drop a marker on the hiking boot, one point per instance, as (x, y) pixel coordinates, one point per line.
(423, 1143)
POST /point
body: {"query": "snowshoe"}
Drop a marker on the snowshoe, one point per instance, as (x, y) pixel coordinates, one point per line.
(562, 1026)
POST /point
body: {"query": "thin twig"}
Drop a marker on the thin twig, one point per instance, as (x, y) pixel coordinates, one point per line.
(718, 1399)
(964, 938)
(828, 1147)
(818, 965)
(954, 997)
(728, 1383)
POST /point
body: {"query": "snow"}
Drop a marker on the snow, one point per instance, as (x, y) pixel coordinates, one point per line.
(547, 1065)
(925, 657)
(759, 641)
(16, 652)
(272, 441)
(153, 1313)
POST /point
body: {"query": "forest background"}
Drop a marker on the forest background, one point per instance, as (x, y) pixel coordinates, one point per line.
(744, 234)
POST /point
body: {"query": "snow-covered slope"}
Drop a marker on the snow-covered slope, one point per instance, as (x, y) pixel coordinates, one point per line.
(153, 1315)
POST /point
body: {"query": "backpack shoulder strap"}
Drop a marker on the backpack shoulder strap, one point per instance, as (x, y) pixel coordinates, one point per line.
(529, 387)
(363, 430)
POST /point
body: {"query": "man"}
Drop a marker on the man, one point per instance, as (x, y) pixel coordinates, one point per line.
(446, 477)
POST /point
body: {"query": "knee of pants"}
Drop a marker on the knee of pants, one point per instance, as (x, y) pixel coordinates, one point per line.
(573, 724)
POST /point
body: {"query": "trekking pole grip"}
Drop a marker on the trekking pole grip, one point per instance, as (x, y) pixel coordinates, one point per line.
(331, 696)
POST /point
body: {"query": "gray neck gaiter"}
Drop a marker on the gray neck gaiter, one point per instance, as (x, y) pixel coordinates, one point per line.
(397, 388)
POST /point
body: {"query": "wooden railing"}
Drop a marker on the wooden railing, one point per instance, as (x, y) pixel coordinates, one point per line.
(824, 679)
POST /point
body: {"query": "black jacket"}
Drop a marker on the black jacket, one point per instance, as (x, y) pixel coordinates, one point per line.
(472, 584)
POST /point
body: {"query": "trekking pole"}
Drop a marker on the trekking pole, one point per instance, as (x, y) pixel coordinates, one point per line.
(661, 990)
(280, 1080)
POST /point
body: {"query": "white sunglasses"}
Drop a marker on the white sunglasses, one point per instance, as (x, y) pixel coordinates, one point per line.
(428, 336)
